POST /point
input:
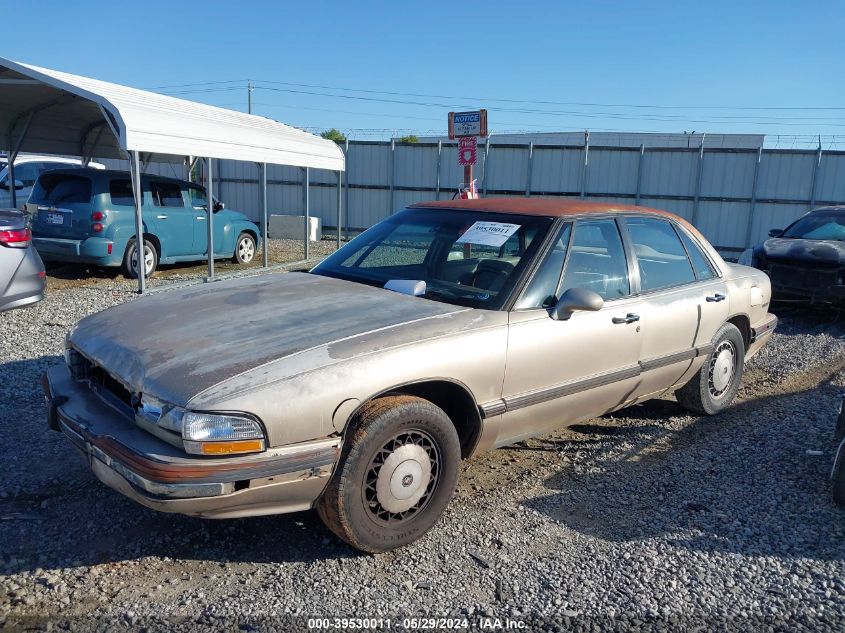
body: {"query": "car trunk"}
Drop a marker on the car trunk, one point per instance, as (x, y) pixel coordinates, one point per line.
(60, 206)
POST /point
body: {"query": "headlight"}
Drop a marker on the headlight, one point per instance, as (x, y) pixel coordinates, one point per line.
(213, 434)
(747, 257)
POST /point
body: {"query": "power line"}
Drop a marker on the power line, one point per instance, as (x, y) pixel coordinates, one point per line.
(524, 101)
(202, 83)
(611, 115)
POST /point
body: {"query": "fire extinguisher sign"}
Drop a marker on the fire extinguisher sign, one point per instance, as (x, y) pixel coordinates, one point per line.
(464, 124)
(467, 151)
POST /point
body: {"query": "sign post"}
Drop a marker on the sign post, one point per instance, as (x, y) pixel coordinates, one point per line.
(467, 127)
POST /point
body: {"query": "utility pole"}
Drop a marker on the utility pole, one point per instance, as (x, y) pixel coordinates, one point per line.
(249, 96)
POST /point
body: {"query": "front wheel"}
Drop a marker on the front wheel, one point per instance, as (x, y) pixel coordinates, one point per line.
(714, 387)
(130, 260)
(397, 473)
(244, 249)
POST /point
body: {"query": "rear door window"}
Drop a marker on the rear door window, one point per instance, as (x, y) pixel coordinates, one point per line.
(166, 194)
(121, 193)
(661, 257)
(55, 189)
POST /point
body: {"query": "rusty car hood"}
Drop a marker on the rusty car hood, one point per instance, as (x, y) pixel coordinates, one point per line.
(823, 252)
(178, 343)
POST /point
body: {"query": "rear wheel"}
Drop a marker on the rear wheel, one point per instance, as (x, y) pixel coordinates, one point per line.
(714, 387)
(396, 475)
(244, 249)
(130, 260)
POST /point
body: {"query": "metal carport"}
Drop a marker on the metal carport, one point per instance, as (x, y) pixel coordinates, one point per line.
(52, 112)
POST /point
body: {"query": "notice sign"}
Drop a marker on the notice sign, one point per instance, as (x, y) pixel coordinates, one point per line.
(488, 234)
(467, 151)
(467, 124)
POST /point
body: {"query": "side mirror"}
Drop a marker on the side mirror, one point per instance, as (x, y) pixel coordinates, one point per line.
(576, 299)
(775, 232)
(5, 185)
(218, 206)
(18, 185)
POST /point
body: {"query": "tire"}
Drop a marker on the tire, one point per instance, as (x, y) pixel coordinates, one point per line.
(244, 249)
(837, 475)
(714, 386)
(150, 257)
(415, 439)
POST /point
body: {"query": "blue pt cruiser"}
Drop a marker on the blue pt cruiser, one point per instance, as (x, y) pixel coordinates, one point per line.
(88, 216)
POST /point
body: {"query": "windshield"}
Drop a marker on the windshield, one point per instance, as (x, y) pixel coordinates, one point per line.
(464, 257)
(823, 225)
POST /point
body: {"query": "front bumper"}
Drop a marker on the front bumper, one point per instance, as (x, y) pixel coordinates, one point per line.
(160, 476)
(805, 283)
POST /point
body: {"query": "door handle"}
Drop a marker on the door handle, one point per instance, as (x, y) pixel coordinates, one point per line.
(716, 298)
(161, 217)
(200, 217)
(628, 318)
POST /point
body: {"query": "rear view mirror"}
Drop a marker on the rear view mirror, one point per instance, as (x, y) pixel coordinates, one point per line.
(576, 299)
(775, 232)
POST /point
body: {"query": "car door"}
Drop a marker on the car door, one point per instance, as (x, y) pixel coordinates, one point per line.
(712, 291)
(674, 303)
(173, 218)
(199, 207)
(560, 372)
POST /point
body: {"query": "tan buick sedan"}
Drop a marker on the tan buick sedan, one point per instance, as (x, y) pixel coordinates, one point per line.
(448, 329)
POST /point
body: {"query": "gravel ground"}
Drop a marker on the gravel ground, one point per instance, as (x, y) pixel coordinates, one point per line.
(650, 519)
(280, 252)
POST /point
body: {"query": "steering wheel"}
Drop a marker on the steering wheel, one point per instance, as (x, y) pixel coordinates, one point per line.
(500, 269)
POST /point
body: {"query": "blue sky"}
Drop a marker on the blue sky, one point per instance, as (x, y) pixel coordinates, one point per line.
(704, 66)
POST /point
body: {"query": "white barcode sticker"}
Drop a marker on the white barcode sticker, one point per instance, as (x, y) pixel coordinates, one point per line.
(488, 233)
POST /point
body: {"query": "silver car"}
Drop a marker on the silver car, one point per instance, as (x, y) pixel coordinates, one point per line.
(448, 329)
(22, 277)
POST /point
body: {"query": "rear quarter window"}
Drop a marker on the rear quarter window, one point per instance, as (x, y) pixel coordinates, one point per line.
(120, 191)
(56, 189)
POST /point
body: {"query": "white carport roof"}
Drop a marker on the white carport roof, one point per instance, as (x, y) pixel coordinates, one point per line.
(68, 113)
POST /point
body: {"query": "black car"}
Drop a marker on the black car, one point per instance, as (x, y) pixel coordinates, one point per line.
(805, 261)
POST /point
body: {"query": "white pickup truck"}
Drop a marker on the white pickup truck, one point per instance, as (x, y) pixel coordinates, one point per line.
(27, 169)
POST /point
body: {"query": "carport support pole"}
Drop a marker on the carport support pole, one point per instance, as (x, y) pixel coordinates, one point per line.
(139, 222)
(210, 218)
(13, 156)
(306, 192)
(265, 227)
(11, 180)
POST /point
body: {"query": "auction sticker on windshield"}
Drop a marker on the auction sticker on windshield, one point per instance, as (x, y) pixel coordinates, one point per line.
(488, 233)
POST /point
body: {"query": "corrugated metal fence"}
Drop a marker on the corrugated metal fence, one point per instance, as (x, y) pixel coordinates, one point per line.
(733, 196)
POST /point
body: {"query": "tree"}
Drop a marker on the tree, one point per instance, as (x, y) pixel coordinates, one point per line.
(411, 138)
(334, 135)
